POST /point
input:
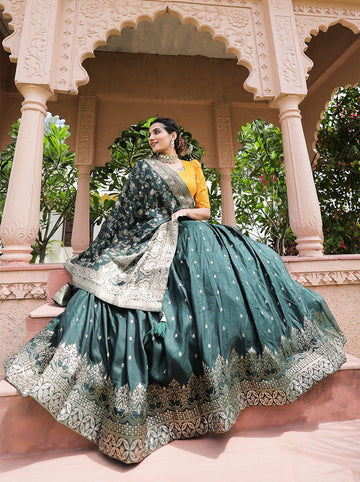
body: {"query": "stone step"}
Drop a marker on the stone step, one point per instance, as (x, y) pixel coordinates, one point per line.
(26, 427)
(324, 453)
(39, 318)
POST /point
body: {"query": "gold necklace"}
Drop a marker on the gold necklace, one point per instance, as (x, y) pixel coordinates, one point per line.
(168, 159)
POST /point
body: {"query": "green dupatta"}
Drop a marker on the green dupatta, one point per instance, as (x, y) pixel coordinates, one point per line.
(128, 263)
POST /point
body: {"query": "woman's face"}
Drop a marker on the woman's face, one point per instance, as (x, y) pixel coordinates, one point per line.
(160, 139)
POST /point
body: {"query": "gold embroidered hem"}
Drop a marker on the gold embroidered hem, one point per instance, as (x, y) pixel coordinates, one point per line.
(240, 332)
(129, 425)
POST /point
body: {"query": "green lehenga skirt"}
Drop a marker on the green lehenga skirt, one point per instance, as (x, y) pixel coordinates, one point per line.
(240, 332)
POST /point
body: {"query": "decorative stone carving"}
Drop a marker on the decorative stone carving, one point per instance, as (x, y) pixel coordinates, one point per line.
(264, 76)
(280, 5)
(224, 135)
(288, 64)
(38, 43)
(242, 29)
(19, 291)
(310, 19)
(286, 57)
(87, 24)
(37, 47)
(14, 9)
(65, 54)
(16, 233)
(327, 278)
(86, 131)
(306, 227)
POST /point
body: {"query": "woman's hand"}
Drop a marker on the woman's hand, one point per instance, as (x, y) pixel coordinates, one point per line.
(198, 214)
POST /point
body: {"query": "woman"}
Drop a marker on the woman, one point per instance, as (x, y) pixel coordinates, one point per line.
(175, 325)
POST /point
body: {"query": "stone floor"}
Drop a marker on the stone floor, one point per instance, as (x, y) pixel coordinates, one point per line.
(328, 452)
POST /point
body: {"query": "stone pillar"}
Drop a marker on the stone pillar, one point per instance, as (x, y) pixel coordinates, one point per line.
(34, 50)
(80, 235)
(20, 222)
(304, 210)
(84, 161)
(227, 201)
(225, 160)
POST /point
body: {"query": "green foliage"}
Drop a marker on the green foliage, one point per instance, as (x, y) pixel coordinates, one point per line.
(5, 166)
(212, 177)
(337, 172)
(126, 150)
(58, 192)
(259, 187)
(58, 184)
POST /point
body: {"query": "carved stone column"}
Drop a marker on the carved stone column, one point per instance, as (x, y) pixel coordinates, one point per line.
(20, 222)
(84, 161)
(225, 160)
(80, 236)
(304, 210)
(33, 44)
(227, 201)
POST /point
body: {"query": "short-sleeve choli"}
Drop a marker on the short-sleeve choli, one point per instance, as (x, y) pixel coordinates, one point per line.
(195, 181)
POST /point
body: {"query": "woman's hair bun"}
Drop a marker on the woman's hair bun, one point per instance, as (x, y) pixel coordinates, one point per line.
(180, 144)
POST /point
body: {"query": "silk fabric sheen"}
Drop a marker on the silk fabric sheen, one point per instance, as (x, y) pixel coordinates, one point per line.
(240, 333)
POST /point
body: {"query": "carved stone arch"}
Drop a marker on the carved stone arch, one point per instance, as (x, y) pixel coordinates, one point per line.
(311, 19)
(88, 23)
(15, 11)
(234, 27)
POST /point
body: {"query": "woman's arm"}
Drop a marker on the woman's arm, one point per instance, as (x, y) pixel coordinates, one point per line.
(198, 214)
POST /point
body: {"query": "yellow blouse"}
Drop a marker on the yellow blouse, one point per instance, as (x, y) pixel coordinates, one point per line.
(195, 181)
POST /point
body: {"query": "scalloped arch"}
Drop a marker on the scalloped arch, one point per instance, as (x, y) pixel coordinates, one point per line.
(93, 33)
(217, 36)
(309, 26)
(14, 11)
(324, 27)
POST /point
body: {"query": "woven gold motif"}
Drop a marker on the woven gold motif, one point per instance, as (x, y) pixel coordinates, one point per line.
(129, 425)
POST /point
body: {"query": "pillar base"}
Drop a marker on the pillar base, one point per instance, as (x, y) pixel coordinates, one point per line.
(16, 255)
(309, 246)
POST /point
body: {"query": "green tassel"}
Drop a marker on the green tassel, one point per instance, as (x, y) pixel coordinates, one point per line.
(161, 327)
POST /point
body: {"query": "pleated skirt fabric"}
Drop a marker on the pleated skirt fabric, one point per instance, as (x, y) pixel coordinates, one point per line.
(240, 332)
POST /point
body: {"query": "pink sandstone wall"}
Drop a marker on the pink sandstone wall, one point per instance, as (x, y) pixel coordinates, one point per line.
(344, 303)
(13, 314)
(22, 290)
